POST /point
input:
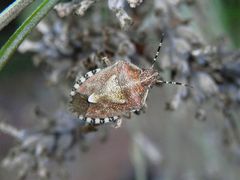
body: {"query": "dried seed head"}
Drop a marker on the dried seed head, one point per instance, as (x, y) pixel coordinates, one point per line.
(134, 3)
(64, 9)
(204, 85)
(124, 19)
(84, 6)
(116, 4)
(160, 7)
(201, 115)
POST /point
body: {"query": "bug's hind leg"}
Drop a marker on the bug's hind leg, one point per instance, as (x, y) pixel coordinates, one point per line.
(117, 123)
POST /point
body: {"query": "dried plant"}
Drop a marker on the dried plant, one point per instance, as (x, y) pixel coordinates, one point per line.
(71, 45)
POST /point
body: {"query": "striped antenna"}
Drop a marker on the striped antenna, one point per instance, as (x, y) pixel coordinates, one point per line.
(158, 50)
(172, 82)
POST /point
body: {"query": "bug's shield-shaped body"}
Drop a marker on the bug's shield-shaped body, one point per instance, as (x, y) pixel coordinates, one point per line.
(115, 90)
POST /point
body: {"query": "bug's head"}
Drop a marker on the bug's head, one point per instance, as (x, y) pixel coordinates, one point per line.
(151, 76)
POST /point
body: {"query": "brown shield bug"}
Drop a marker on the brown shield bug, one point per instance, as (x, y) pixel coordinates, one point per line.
(103, 96)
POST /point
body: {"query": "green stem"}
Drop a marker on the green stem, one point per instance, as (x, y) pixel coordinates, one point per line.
(12, 11)
(20, 34)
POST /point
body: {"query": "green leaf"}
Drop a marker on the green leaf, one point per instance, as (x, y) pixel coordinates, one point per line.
(12, 11)
(21, 33)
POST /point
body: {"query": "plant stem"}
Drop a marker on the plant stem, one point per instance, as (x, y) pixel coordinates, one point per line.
(21, 33)
(12, 11)
(10, 130)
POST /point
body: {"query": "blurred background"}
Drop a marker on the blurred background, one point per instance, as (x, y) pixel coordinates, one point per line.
(183, 134)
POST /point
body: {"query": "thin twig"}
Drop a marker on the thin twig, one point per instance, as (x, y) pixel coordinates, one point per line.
(12, 11)
(10, 130)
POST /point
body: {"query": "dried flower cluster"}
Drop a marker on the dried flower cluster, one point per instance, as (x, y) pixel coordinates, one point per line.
(72, 45)
(56, 140)
(80, 7)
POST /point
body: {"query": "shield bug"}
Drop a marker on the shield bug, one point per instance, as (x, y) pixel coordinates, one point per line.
(104, 96)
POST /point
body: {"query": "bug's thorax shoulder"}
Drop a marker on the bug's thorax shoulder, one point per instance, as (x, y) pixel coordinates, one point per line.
(126, 67)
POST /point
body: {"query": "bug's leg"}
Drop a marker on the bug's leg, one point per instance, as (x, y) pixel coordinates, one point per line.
(88, 129)
(127, 115)
(118, 123)
(142, 110)
(137, 112)
(106, 60)
(144, 106)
